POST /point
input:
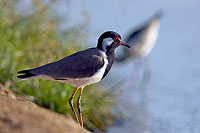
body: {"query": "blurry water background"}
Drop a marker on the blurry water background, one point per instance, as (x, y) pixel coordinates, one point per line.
(170, 103)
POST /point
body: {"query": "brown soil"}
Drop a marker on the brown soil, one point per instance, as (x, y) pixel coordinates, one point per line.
(21, 116)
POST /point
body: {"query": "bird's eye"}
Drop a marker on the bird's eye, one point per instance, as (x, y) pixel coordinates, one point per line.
(115, 38)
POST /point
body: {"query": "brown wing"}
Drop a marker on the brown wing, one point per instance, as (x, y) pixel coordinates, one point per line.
(79, 65)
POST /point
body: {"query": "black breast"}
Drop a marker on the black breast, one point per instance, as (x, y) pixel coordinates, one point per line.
(110, 57)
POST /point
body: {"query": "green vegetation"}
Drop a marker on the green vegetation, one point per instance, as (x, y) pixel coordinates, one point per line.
(29, 37)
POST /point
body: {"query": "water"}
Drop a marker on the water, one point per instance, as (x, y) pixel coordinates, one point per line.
(170, 103)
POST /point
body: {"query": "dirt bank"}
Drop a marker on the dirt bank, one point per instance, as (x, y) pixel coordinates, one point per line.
(21, 116)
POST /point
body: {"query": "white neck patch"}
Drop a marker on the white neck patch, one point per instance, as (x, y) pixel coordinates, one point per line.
(106, 42)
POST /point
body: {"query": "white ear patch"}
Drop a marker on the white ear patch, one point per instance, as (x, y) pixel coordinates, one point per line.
(106, 42)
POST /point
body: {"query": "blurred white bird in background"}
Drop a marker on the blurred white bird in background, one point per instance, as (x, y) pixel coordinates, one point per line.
(142, 40)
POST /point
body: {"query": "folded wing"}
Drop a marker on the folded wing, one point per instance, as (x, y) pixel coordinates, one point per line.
(79, 65)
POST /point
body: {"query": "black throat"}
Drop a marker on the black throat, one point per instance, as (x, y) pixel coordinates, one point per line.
(110, 53)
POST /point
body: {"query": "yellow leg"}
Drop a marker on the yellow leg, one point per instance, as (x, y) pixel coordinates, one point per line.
(71, 104)
(79, 107)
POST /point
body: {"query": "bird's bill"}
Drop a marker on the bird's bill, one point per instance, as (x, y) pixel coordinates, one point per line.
(121, 42)
(124, 44)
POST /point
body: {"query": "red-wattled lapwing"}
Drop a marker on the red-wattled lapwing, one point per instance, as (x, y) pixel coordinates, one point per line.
(81, 68)
(142, 40)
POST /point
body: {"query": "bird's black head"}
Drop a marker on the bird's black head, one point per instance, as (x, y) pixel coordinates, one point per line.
(110, 40)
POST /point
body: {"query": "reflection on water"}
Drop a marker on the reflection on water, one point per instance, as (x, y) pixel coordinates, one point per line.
(134, 99)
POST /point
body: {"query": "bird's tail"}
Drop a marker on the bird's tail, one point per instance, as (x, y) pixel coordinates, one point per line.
(25, 74)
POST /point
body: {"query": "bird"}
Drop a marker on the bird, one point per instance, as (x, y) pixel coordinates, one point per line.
(142, 39)
(81, 68)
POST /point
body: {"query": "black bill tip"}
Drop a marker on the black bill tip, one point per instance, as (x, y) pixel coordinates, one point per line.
(127, 46)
